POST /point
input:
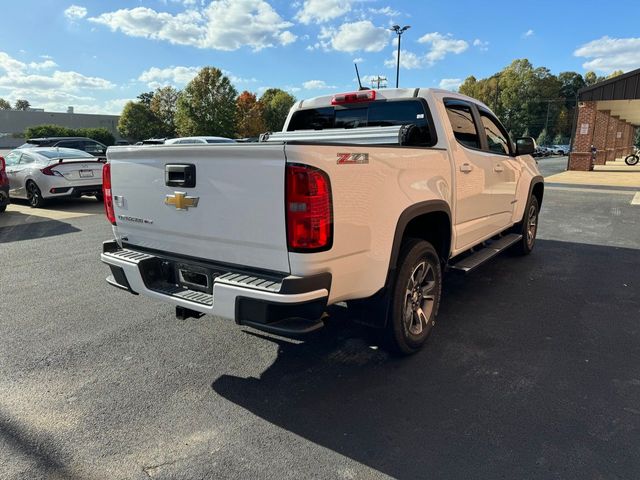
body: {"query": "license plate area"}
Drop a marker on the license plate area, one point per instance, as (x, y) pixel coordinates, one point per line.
(86, 173)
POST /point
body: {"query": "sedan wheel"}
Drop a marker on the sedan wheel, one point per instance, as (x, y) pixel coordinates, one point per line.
(34, 196)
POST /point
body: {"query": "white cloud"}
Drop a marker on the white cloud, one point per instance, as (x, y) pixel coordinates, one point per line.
(408, 60)
(75, 12)
(441, 45)
(352, 37)
(528, 33)
(358, 60)
(482, 45)
(388, 11)
(223, 25)
(54, 91)
(177, 76)
(320, 11)
(450, 83)
(316, 85)
(607, 54)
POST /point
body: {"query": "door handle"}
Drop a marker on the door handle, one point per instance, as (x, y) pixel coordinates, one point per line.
(466, 167)
(498, 168)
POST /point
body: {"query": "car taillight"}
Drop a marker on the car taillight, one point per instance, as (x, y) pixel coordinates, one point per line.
(49, 171)
(106, 193)
(308, 209)
(3, 165)
(354, 97)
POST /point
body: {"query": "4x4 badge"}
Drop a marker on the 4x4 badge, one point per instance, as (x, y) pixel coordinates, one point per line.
(352, 158)
(181, 201)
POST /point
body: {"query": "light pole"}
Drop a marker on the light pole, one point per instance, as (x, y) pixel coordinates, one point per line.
(399, 31)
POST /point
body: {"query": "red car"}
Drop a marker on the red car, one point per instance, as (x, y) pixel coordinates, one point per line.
(4, 187)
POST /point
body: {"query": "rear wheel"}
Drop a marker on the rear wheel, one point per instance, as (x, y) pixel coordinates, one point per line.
(528, 228)
(2, 208)
(34, 196)
(416, 297)
(631, 160)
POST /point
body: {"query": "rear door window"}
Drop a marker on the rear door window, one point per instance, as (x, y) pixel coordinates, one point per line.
(12, 159)
(373, 114)
(461, 119)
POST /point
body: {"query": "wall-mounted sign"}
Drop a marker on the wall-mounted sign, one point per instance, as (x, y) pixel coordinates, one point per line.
(619, 135)
(584, 128)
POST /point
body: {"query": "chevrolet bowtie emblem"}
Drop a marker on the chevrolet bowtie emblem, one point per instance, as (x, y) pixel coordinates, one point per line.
(181, 201)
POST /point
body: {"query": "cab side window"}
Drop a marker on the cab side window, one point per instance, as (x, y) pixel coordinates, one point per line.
(93, 147)
(497, 138)
(461, 119)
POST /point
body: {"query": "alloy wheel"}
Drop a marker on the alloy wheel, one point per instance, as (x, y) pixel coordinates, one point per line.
(420, 299)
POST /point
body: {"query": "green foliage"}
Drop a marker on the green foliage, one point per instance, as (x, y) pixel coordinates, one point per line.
(163, 105)
(543, 138)
(4, 105)
(560, 140)
(22, 105)
(145, 98)
(137, 122)
(276, 104)
(101, 135)
(529, 99)
(207, 105)
(615, 73)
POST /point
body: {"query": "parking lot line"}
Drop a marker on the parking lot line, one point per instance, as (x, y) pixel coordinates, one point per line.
(636, 199)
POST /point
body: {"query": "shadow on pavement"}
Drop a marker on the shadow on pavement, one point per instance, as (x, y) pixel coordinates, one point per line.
(88, 205)
(533, 371)
(40, 229)
(40, 461)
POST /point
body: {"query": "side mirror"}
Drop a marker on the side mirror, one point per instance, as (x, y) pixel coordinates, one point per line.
(525, 146)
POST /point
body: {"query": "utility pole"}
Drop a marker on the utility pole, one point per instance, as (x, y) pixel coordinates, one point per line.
(399, 31)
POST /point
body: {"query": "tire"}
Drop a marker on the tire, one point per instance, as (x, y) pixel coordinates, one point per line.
(631, 160)
(528, 228)
(415, 297)
(34, 196)
(2, 208)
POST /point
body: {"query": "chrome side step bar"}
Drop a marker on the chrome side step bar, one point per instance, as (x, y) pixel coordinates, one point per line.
(493, 248)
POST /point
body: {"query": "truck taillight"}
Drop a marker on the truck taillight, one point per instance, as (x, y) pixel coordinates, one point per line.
(106, 193)
(308, 209)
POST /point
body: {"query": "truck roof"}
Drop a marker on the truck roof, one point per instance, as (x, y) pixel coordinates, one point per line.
(388, 93)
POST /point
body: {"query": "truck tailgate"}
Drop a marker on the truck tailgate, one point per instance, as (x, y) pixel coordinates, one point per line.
(239, 218)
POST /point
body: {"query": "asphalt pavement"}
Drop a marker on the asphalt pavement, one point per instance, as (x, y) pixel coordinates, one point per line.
(533, 370)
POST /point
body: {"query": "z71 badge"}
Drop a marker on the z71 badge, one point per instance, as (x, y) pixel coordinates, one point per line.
(351, 158)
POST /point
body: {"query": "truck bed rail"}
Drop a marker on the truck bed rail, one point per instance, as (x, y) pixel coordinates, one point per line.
(393, 135)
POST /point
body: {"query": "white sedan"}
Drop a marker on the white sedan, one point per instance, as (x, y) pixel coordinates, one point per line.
(38, 174)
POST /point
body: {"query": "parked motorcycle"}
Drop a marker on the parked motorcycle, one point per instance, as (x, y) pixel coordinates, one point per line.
(633, 158)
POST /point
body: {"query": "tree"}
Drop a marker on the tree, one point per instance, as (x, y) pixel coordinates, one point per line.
(615, 73)
(590, 78)
(4, 105)
(277, 104)
(207, 105)
(40, 131)
(145, 98)
(22, 105)
(543, 138)
(250, 115)
(559, 139)
(163, 105)
(138, 122)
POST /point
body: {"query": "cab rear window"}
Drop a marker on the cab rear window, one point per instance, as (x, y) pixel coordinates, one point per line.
(374, 114)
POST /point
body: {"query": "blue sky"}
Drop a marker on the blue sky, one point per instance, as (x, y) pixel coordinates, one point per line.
(96, 55)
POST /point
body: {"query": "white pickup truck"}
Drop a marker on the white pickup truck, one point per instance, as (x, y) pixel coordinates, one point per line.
(364, 197)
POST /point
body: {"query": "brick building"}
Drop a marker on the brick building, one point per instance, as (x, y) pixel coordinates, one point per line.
(607, 119)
